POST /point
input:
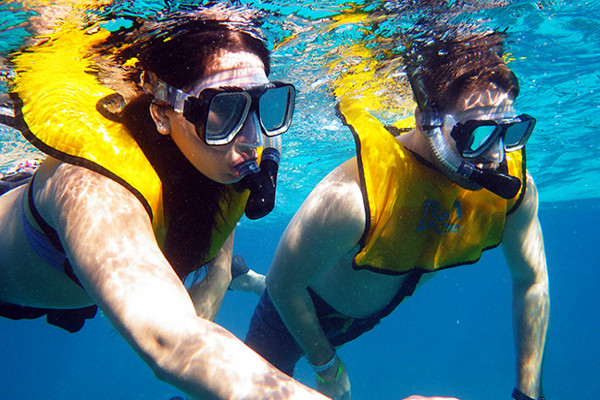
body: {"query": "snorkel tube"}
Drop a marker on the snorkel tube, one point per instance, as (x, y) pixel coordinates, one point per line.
(262, 181)
(503, 185)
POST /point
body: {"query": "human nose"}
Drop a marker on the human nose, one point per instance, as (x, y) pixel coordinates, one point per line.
(250, 136)
(495, 152)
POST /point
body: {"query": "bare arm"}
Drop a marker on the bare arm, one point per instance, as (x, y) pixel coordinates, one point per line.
(327, 226)
(523, 247)
(208, 293)
(109, 240)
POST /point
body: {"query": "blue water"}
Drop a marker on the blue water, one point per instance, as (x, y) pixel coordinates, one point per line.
(454, 336)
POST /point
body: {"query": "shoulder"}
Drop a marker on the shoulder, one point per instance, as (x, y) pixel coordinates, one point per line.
(528, 206)
(523, 242)
(65, 190)
(338, 195)
(335, 206)
(99, 222)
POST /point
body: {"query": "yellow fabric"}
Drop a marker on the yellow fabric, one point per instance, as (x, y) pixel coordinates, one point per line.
(369, 84)
(416, 217)
(59, 98)
(232, 212)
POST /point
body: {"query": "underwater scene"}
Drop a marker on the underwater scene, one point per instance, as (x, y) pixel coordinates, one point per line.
(454, 336)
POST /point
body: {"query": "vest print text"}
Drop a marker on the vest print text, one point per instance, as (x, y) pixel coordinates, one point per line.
(441, 221)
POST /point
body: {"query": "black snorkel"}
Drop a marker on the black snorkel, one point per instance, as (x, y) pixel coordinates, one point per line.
(501, 184)
(262, 181)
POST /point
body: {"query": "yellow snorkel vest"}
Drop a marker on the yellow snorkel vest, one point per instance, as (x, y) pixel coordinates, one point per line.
(56, 93)
(416, 217)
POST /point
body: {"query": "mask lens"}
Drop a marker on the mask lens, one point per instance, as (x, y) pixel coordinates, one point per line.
(517, 134)
(275, 110)
(226, 115)
(480, 138)
(514, 134)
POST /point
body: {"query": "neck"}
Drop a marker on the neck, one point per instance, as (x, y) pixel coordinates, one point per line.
(416, 142)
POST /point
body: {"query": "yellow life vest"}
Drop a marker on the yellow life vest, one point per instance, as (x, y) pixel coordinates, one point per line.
(56, 99)
(417, 219)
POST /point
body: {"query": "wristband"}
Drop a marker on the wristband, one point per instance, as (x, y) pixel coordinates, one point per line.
(518, 395)
(337, 375)
(321, 368)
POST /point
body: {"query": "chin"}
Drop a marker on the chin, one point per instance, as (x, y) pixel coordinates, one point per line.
(229, 179)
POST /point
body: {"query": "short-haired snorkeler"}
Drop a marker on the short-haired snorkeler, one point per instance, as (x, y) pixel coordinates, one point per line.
(120, 212)
(407, 206)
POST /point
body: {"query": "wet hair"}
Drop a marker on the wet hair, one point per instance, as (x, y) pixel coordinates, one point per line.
(191, 200)
(458, 65)
(182, 61)
(179, 46)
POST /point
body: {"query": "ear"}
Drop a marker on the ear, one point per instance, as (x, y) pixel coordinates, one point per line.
(161, 119)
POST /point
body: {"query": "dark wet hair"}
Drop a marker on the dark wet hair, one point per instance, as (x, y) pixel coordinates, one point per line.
(191, 200)
(182, 61)
(178, 46)
(454, 66)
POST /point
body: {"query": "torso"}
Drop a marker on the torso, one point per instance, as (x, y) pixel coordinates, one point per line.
(359, 293)
(355, 293)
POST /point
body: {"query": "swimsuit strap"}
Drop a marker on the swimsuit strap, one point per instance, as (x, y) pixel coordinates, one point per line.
(47, 229)
(50, 233)
(341, 329)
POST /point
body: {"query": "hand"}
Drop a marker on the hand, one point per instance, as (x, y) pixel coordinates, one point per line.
(336, 386)
(244, 279)
(417, 397)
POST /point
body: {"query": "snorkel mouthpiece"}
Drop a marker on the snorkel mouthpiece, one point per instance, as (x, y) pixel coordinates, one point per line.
(262, 185)
(247, 167)
(503, 185)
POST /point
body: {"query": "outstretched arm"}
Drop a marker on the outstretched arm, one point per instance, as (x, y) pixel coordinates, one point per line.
(109, 239)
(523, 247)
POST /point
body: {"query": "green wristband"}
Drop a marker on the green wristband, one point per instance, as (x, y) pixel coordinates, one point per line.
(337, 375)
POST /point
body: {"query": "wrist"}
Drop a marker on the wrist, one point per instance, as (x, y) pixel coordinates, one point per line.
(332, 373)
(518, 395)
(319, 369)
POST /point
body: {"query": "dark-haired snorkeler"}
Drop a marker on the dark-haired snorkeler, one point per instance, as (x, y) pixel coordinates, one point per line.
(383, 222)
(135, 195)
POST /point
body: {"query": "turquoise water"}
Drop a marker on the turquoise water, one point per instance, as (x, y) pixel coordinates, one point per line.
(453, 337)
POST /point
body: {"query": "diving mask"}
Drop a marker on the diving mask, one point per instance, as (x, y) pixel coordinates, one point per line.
(219, 113)
(474, 137)
(467, 174)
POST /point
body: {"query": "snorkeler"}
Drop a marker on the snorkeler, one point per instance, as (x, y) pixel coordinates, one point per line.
(382, 223)
(144, 187)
